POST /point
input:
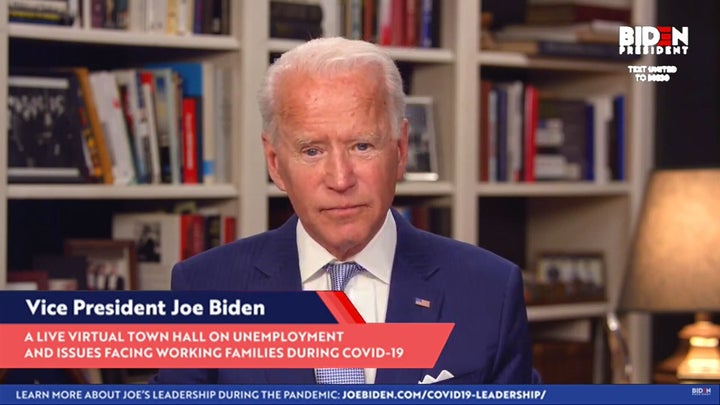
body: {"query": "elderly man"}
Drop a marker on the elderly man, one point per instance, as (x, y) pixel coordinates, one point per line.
(335, 139)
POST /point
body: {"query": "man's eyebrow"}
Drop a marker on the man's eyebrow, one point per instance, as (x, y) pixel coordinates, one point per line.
(301, 142)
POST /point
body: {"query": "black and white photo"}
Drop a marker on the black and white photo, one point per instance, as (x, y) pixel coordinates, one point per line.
(422, 149)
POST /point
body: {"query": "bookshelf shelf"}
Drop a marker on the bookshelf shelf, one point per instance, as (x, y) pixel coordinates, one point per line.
(520, 60)
(121, 38)
(416, 55)
(564, 189)
(135, 192)
(538, 313)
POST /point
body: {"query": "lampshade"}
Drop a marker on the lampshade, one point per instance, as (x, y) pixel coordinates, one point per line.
(675, 265)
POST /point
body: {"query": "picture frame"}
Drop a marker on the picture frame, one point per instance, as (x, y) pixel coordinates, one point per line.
(112, 264)
(422, 164)
(570, 277)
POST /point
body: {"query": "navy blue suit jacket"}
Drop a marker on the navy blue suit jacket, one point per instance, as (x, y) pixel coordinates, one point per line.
(478, 291)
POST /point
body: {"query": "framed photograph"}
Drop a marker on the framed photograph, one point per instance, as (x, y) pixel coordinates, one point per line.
(422, 161)
(111, 264)
(571, 277)
(29, 280)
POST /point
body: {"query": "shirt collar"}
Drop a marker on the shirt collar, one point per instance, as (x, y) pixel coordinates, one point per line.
(377, 257)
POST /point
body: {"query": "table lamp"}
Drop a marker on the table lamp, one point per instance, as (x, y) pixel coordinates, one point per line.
(675, 263)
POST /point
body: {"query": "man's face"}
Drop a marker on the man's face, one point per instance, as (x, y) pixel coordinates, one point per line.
(335, 157)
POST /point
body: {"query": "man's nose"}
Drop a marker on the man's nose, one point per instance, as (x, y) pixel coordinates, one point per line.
(340, 172)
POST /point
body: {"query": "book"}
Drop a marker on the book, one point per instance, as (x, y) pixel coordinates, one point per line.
(208, 84)
(530, 118)
(574, 150)
(166, 121)
(96, 130)
(591, 31)
(109, 106)
(569, 12)
(147, 91)
(136, 122)
(292, 10)
(190, 140)
(484, 139)
(290, 29)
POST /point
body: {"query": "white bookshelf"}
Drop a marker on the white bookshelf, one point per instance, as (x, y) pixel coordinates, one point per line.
(519, 60)
(110, 192)
(552, 189)
(560, 216)
(539, 313)
(121, 38)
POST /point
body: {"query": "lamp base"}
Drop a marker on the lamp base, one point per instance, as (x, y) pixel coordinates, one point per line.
(702, 363)
(697, 358)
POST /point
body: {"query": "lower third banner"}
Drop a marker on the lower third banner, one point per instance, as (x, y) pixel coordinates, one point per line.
(360, 394)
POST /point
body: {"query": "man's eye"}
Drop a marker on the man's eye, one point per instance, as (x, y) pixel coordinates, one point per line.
(363, 146)
(311, 152)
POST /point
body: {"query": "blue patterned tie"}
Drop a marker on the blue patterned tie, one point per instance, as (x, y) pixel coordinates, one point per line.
(340, 274)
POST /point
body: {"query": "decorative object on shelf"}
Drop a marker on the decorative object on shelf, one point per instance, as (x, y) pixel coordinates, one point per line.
(422, 161)
(44, 141)
(675, 265)
(568, 277)
(111, 264)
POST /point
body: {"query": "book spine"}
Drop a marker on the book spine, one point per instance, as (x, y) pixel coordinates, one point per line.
(530, 122)
(98, 134)
(426, 23)
(286, 10)
(502, 134)
(369, 21)
(619, 113)
(229, 229)
(384, 22)
(398, 18)
(189, 129)
(484, 144)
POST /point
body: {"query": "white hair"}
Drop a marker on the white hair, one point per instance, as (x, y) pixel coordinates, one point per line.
(324, 56)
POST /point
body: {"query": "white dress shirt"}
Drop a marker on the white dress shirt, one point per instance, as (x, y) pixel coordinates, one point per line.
(368, 290)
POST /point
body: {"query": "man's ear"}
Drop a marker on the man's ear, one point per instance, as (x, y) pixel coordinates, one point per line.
(271, 159)
(402, 146)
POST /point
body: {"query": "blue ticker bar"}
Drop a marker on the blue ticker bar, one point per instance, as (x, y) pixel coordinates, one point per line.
(360, 394)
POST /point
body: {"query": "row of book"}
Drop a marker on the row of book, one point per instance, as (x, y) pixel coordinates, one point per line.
(565, 28)
(408, 23)
(173, 17)
(435, 219)
(166, 123)
(526, 136)
(164, 239)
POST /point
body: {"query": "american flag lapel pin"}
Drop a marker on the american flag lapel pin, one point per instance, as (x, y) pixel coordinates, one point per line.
(421, 302)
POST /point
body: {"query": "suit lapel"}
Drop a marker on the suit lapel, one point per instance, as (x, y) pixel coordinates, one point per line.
(411, 280)
(277, 269)
(276, 263)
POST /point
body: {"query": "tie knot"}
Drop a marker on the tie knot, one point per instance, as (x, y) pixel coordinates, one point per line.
(341, 273)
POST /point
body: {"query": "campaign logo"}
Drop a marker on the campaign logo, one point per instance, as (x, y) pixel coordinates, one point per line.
(647, 40)
(701, 391)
